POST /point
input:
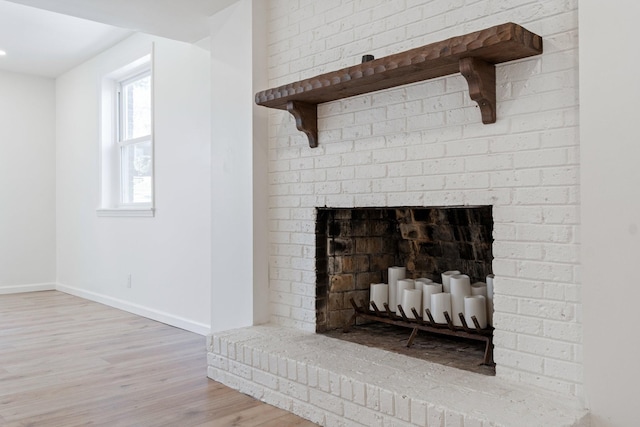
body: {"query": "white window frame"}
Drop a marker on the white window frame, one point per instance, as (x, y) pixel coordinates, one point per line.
(112, 200)
(122, 143)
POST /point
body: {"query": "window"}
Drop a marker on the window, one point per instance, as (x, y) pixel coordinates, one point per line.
(126, 157)
(134, 139)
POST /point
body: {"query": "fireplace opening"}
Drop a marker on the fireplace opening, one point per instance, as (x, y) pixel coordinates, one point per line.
(355, 248)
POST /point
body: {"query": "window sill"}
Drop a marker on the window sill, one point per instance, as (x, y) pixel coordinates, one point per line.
(126, 212)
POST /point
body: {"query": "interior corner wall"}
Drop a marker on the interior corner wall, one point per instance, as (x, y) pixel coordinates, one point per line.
(261, 311)
(239, 157)
(610, 176)
(27, 183)
(168, 257)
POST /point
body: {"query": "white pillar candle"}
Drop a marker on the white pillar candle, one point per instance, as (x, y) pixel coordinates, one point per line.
(429, 289)
(440, 303)
(490, 278)
(401, 286)
(379, 294)
(420, 281)
(411, 298)
(445, 279)
(395, 273)
(479, 288)
(460, 288)
(475, 305)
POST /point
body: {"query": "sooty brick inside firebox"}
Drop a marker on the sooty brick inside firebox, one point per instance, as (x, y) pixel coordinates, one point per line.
(355, 247)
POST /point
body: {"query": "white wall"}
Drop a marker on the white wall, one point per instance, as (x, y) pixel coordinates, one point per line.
(610, 159)
(27, 183)
(239, 165)
(169, 255)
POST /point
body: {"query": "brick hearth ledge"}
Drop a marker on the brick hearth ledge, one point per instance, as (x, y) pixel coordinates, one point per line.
(338, 383)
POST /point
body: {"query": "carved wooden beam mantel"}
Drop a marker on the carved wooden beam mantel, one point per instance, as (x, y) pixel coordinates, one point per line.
(474, 55)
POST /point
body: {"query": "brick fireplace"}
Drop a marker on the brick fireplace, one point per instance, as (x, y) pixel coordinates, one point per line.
(421, 146)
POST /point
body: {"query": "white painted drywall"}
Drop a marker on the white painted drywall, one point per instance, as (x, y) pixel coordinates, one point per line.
(239, 198)
(610, 197)
(27, 182)
(168, 256)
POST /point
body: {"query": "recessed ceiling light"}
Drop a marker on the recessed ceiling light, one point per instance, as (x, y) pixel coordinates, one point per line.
(2, 53)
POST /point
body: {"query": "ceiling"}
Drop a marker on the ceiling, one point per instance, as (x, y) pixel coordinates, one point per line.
(49, 37)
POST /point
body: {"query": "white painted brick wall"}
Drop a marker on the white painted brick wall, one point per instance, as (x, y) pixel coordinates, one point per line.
(424, 145)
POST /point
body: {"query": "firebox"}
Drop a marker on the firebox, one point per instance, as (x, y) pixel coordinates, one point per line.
(356, 246)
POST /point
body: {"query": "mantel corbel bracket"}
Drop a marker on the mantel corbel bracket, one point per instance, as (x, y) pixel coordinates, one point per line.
(306, 116)
(481, 78)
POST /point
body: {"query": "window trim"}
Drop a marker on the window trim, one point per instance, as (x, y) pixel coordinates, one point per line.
(126, 212)
(111, 201)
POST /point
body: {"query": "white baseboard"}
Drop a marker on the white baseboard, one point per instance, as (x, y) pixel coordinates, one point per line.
(150, 313)
(32, 287)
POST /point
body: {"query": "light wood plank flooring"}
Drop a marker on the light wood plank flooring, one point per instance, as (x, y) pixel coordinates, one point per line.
(66, 361)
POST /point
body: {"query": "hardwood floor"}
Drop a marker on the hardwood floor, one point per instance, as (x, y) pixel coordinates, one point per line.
(65, 361)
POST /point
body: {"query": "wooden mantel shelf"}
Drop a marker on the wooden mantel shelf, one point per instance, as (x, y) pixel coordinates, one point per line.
(474, 55)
